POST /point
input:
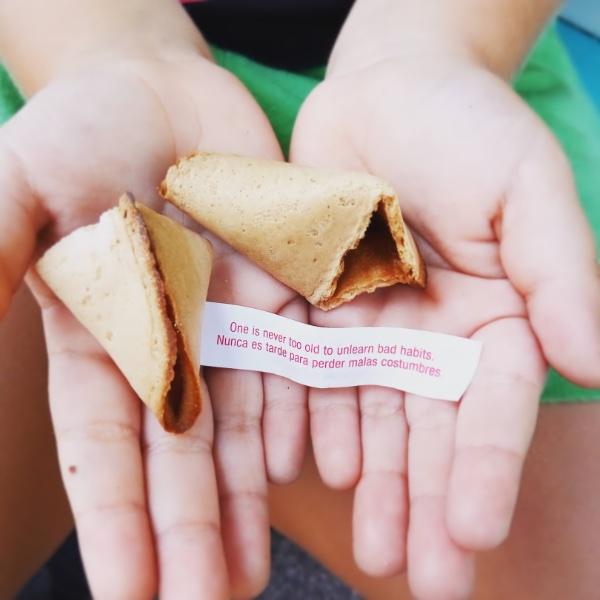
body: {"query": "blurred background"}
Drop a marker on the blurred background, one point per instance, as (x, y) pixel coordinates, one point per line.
(579, 27)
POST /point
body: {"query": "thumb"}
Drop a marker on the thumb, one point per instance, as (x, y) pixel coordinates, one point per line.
(319, 138)
(22, 218)
(548, 252)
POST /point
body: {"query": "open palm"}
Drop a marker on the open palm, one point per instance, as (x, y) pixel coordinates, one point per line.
(153, 511)
(511, 263)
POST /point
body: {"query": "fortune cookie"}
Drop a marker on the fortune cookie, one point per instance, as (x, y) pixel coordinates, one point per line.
(329, 235)
(138, 282)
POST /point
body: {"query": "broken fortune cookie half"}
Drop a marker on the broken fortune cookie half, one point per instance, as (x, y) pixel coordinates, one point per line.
(138, 282)
(329, 235)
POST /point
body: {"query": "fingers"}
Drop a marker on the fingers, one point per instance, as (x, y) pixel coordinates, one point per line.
(237, 404)
(495, 425)
(380, 502)
(235, 124)
(285, 428)
(237, 398)
(22, 217)
(548, 252)
(184, 505)
(318, 137)
(333, 413)
(97, 431)
(285, 416)
(437, 567)
(335, 435)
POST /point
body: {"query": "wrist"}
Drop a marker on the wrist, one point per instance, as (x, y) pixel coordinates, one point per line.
(414, 49)
(66, 36)
(134, 49)
(497, 35)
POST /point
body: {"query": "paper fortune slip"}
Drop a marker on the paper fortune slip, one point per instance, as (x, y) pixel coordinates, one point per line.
(420, 362)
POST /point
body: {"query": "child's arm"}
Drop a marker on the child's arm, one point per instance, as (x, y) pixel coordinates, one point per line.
(39, 39)
(122, 89)
(495, 34)
(416, 92)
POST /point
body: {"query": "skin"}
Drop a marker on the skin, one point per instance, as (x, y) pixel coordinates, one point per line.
(428, 122)
(135, 491)
(134, 502)
(547, 554)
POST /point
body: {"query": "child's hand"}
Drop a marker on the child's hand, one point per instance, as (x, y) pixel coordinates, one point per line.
(146, 504)
(512, 262)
